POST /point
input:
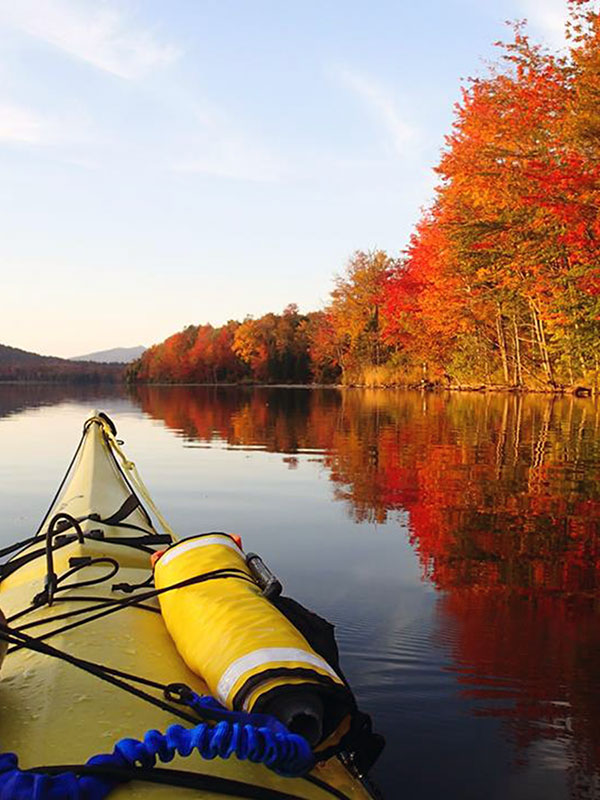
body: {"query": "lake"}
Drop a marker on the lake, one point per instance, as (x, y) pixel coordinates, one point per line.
(453, 539)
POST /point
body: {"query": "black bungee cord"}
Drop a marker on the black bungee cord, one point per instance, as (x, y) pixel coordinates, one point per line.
(119, 604)
(51, 581)
(177, 693)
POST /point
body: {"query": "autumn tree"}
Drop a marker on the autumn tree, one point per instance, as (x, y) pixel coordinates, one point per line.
(424, 311)
(517, 207)
(275, 346)
(198, 354)
(354, 313)
(323, 348)
(500, 282)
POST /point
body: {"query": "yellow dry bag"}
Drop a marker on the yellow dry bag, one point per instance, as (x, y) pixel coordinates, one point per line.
(249, 654)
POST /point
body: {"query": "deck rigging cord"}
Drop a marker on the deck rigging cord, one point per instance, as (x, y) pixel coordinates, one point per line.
(136, 479)
(110, 607)
(220, 733)
(256, 737)
(282, 751)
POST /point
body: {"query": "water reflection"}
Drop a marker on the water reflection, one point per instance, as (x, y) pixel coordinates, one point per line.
(275, 420)
(17, 397)
(503, 499)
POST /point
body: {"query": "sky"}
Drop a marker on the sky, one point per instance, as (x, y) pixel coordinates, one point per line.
(172, 163)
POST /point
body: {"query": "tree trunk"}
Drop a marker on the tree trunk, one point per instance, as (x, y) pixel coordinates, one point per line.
(377, 354)
(579, 349)
(546, 355)
(577, 344)
(540, 335)
(518, 367)
(502, 346)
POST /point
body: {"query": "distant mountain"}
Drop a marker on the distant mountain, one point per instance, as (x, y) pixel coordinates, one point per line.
(13, 355)
(118, 355)
(21, 365)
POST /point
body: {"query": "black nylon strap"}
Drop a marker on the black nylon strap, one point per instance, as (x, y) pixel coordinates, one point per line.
(181, 778)
(127, 508)
(136, 541)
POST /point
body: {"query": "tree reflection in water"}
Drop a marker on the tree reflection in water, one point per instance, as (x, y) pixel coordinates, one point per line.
(503, 498)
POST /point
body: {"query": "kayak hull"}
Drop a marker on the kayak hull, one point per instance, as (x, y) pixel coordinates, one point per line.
(53, 713)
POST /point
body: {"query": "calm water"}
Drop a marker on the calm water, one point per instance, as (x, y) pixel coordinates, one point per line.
(453, 540)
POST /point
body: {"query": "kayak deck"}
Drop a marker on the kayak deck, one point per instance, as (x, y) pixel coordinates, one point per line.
(54, 713)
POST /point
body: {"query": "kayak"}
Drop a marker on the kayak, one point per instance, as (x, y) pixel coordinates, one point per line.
(137, 664)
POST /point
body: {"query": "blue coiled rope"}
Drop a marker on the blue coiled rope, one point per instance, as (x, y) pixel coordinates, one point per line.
(254, 737)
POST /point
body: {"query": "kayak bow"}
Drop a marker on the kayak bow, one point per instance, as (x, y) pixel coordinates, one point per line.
(91, 663)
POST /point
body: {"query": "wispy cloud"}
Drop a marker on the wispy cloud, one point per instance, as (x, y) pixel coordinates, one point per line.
(21, 125)
(383, 105)
(208, 139)
(224, 156)
(196, 136)
(98, 33)
(548, 17)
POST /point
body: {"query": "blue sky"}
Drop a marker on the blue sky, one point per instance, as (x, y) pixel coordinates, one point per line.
(168, 163)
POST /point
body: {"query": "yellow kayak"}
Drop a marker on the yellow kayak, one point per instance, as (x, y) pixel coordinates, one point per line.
(115, 627)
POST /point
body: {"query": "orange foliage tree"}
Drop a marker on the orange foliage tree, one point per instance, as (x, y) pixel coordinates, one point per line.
(500, 283)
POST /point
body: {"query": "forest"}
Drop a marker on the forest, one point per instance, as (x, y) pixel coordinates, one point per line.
(499, 285)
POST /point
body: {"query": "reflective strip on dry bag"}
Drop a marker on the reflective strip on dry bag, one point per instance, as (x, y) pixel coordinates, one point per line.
(268, 655)
(204, 541)
(227, 632)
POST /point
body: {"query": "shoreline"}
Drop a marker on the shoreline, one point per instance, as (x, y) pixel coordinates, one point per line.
(577, 390)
